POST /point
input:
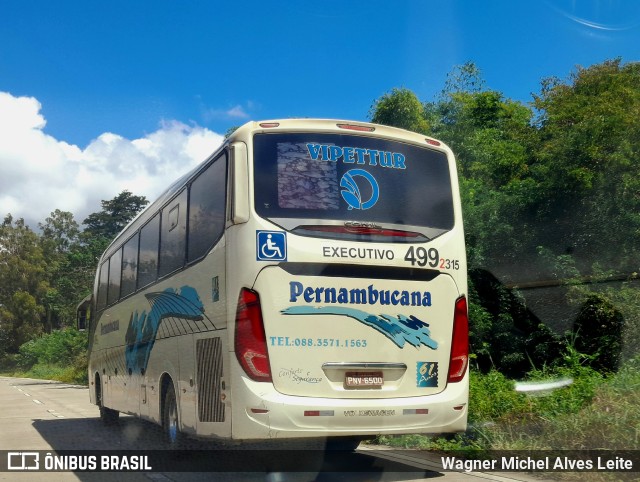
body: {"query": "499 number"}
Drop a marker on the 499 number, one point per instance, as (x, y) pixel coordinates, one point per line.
(422, 256)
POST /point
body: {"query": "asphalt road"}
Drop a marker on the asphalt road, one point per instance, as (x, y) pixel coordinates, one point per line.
(44, 415)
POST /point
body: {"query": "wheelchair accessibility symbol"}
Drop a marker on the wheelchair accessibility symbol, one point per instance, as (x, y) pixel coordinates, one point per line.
(271, 246)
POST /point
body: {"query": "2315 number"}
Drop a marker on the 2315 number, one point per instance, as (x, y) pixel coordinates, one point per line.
(423, 257)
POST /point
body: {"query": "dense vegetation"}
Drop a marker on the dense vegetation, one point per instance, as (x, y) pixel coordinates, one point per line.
(551, 195)
(551, 198)
(43, 276)
(593, 412)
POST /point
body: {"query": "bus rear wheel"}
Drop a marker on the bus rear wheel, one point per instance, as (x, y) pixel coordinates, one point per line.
(170, 427)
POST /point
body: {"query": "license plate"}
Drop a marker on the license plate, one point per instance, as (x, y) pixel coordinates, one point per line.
(363, 380)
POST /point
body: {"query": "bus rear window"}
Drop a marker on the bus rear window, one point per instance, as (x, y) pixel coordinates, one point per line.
(351, 178)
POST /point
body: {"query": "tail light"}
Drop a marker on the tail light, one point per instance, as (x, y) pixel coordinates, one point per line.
(250, 340)
(355, 127)
(357, 230)
(460, 342)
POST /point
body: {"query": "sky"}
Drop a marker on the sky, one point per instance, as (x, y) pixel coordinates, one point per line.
(98, 97)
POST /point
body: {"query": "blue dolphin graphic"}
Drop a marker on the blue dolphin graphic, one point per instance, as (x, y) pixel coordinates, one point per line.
(143, 327)
(399, 329)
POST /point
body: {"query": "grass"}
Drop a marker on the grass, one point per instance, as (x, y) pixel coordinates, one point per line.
(60, 355)
(593, 412)
(70, 374)
(610, 421)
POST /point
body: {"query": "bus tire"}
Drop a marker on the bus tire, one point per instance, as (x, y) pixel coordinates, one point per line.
(170, 424)
(107, 415)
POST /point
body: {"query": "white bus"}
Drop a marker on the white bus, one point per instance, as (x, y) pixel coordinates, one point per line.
(307, 280)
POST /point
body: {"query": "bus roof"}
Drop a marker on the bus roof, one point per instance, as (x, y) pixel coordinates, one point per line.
(334, 125)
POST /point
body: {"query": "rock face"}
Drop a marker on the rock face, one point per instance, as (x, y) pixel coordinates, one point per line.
(304, 183)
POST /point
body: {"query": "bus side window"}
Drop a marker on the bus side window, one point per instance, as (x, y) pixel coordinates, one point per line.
(115, 271)
(207, 208)
(103, 284)
(148, 257)
(129, 266)
(173, 238)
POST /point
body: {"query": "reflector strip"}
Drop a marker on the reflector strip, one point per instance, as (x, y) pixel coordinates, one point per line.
(415, 411)
(318, 413)
(259, 410)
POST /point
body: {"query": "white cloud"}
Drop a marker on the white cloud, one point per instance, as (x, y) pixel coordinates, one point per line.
(39, 173)
(235, 113)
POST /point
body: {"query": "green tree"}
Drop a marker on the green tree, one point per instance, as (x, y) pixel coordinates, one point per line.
(59, 232)
(489, 134)
(587, 164)
(114, 216)
(491, 137)
(464, 78)
(102, 227)
(400, 108)
(22, 314)
(60, 238)
(22, 283)
(549, 191)
(230, 131)
(59, 235)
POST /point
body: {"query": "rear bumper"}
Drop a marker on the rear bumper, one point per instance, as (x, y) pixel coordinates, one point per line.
(260, 412)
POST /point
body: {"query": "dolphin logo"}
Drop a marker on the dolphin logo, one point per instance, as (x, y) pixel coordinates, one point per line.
(351, 192)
